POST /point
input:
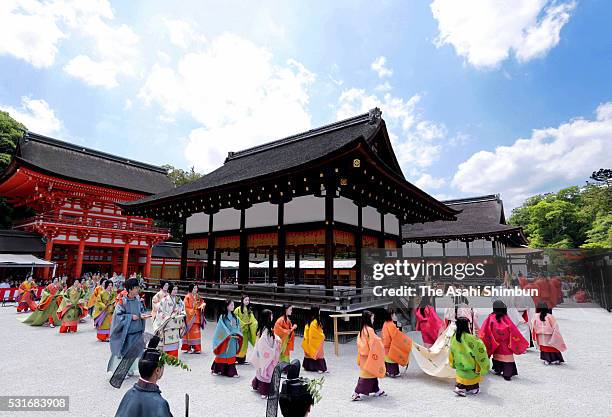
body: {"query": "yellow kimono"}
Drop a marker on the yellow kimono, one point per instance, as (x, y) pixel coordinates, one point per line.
(248, 326)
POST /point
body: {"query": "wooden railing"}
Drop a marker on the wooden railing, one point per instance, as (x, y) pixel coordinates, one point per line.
(338, 299)
(90, 223)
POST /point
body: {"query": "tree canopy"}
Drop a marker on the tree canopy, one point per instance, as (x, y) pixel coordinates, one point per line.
(570, 218)
(10, 132)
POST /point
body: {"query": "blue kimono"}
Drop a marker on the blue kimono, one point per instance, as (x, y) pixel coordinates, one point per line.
(125, 332)
(143, 400)
(224, 345)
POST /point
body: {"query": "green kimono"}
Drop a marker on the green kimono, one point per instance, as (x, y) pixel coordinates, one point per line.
(48, 299)
(469, 358)
(248, 326)
(71, 309)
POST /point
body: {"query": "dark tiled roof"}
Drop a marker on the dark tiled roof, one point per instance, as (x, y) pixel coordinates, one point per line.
(280, 155)
(83, 164)
(479, 216)
(167, 250)
(15, 241)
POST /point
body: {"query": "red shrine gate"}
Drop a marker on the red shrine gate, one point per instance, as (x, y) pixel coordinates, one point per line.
(76, 206)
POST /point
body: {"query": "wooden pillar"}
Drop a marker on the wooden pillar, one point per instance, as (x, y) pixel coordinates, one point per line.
(359, 248)
(381, 237)
(147, 270)
(79, 263)
(48, 255)
(218, 266)
(329, 237)
(126, 257)
(184, 249)
(243, 252)
(163, 267)
(400, 243)
(282, 241)
(210, 265)
(270, 263)
(296, 266)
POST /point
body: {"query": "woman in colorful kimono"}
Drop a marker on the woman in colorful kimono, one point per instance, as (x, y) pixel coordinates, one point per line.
(46, 310)
(195, 321)
(127, 327)
(428, 323)
(91, 302)
(370, 358)
(161, 294)
(503, 340)
(468, 356)
(314, 339)
(72, 308)
(169, 321)
(546, 335)
(265, 354)
(103, 310)
(284, 329)
(227, 342)
(397, 345)
(25, 296)
(248, 326)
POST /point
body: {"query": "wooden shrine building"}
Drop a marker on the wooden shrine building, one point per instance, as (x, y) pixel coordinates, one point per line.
(479, 234)
(75, 192)
(319, 195)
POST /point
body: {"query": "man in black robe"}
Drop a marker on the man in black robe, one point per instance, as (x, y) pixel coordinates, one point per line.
(144, 398)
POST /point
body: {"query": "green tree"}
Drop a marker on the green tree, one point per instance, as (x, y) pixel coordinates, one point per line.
(10, 132)
(570, 218)
(181, 177)
(178, 177)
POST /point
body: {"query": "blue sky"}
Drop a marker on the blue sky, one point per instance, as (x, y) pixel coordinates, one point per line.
(486, 96)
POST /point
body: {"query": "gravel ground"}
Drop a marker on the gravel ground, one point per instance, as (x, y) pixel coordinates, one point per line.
(40, 361)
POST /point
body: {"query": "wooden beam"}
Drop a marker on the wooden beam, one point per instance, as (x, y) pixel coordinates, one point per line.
(282, 243)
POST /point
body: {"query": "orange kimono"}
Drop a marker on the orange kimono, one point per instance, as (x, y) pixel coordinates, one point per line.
(397, 347)
(371, 361)
(283, 328)
(194, 309)
(94, 295)
(25, 297)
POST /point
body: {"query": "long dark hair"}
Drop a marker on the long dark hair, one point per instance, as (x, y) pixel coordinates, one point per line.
(463, 326)
(366, 320)
(424, 303)
(265, 322)
(388, 314)
(242, 306)
(225, 313)
(285, 308)
(542, 308)
(315, 314)
(500, 309)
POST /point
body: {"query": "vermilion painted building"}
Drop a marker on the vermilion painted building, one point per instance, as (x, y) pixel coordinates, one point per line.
(75, 193)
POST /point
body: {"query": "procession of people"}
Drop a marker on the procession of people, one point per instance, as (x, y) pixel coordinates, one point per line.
(455, 345)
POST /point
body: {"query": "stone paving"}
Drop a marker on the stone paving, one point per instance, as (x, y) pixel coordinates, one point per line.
(40, 361)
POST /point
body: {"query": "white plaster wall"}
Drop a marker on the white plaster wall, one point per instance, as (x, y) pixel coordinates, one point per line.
(262, 214)
(371, 218)
(197, 223)
(305, 209)
(345, 211)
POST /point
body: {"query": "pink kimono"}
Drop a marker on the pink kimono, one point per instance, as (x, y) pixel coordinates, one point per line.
(429, 324)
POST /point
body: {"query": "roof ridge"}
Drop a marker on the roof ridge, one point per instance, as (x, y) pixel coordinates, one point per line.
(36, 137)
(477, 199)
(371, 116)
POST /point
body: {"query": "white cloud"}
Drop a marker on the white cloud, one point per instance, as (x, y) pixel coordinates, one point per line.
(182, 33)
(99, 74)
(29, 32)
(550, 158)
(36, 115)
(416, 141)
(378, 65)
(33, 30)
(486, 32)
(428, 182)
(128, 104)
(236, 92)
